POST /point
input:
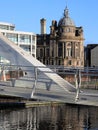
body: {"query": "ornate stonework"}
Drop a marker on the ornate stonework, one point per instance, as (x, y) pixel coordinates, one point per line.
(64, 45)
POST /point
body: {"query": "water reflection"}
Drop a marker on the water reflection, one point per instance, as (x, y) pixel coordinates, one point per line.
(61, 117)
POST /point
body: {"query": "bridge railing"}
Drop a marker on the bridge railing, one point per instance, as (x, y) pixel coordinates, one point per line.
(89, 75)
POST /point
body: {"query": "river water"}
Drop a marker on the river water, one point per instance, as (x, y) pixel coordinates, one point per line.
(52, 117)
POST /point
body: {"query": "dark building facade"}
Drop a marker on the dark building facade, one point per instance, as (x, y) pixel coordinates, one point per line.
(64, 45)
(89, 56)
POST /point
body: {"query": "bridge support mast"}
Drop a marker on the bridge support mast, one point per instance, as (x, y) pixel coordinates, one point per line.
(35, 82)
(78, 84)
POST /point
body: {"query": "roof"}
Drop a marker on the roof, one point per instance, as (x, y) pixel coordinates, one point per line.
(66, 20)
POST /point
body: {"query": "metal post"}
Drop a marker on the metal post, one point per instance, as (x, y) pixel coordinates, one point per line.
(3, 73)
(79, 80)
(78, 84)
(35, 82)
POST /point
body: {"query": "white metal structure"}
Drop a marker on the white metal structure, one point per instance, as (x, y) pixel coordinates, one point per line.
(18, 56)
(26, 40)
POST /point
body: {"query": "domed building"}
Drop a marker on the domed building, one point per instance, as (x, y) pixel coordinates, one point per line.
(66, 25)
(64, 45)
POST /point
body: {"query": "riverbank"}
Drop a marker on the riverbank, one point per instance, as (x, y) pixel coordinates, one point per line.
(14, 102)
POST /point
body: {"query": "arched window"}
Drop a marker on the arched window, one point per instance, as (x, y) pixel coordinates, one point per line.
(69, 50)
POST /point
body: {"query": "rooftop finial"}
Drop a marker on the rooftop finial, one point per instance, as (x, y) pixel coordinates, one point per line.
(66, 12)
(66, 3)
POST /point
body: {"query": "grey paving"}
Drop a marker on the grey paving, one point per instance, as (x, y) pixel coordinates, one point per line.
(86, 97)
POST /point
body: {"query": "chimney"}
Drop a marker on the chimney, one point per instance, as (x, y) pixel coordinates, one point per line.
(43, 26)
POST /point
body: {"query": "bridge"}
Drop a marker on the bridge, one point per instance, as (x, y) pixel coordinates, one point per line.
(34, 76)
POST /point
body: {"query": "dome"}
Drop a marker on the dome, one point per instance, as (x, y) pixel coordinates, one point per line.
(66, 20)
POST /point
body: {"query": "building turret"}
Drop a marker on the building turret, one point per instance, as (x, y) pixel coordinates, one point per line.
(53, 28)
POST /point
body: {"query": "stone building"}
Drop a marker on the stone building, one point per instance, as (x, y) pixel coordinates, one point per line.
(64, 45)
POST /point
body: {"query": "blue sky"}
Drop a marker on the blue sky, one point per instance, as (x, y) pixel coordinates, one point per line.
(26, 14)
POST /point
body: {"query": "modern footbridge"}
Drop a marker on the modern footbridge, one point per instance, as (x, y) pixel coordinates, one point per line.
(36, 76)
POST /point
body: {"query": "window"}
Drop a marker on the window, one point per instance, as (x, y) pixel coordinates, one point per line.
(69, 62)
(25, 38)
(59, 62)
(33, 38)
(26, 47)
(47, 52)
(12, 37)
(60, 49)
(41, 52)
(47, 62)
(69, 52)
(52, 62)
(4, 27)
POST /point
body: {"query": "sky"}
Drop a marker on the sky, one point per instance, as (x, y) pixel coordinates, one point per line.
(26, 15)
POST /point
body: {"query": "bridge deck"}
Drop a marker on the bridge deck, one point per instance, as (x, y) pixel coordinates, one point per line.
(86, 97)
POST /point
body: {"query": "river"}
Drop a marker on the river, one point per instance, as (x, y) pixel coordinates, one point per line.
(52, 117)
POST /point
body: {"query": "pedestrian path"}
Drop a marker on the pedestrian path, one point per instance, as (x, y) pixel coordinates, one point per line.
(86, 97)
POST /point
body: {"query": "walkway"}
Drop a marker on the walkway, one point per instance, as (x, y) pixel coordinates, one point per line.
(86, 97)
